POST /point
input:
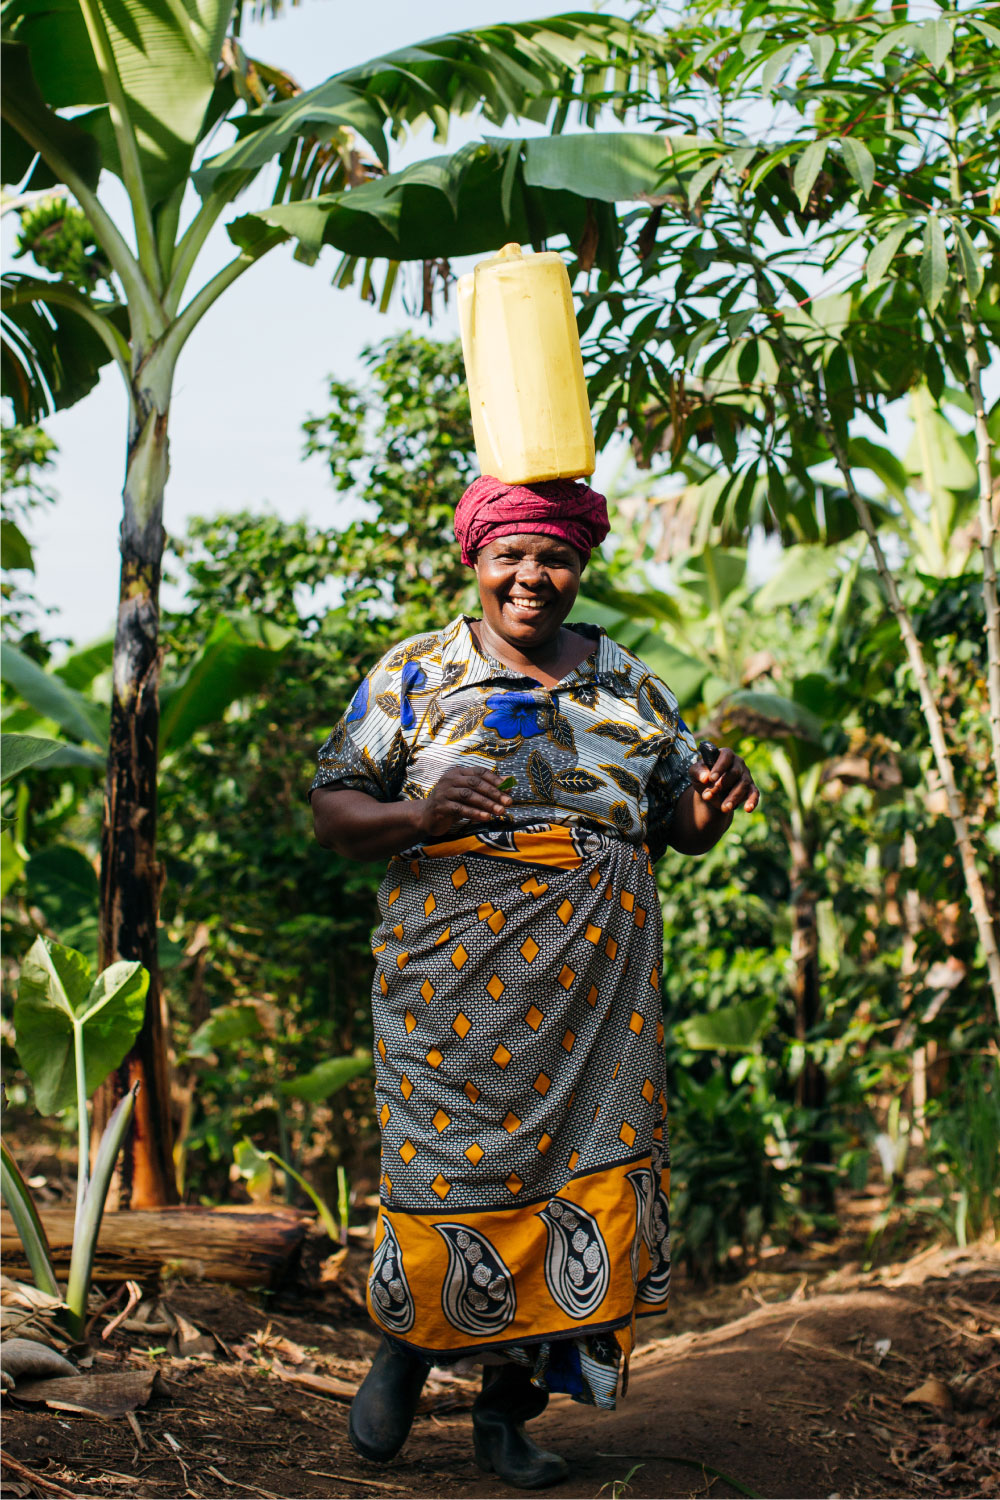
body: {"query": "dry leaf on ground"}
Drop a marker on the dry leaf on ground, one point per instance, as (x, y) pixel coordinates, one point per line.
(110, 1394)
(22, 1359)
(933, 1392)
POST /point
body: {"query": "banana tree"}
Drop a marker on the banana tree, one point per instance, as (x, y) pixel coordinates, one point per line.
(138, 90)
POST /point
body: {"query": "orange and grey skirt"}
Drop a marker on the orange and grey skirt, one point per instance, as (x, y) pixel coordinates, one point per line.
(521, 1094)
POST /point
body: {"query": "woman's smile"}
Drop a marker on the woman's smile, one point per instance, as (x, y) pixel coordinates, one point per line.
(525, 606)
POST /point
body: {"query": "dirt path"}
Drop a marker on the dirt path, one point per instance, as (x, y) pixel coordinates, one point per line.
(802, 1397)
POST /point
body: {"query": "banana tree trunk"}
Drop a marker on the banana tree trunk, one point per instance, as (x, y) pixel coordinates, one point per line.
(130, 876)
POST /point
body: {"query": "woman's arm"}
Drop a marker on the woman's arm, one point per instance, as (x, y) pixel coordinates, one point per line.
(358, 826)
(705, 809)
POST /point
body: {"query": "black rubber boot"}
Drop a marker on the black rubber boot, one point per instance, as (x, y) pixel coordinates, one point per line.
(382, 1412)
(502, 1446)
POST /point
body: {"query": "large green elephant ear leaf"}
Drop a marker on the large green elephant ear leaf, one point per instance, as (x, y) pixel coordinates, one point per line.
(734, 1028)
(163, 55)
(19, 751)
(58, 998)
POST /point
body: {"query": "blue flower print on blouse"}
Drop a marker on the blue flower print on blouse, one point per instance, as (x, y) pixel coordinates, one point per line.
(411, 680)
(513, 714)
(359, 704)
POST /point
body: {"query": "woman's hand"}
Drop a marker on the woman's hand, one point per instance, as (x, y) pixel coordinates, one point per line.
(464, 794)
(705, 809)
(727, 785)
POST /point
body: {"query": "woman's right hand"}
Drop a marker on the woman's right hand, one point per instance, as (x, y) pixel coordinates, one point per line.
(464, 794)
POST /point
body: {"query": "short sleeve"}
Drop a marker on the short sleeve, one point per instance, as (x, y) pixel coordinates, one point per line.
(368, 751)
(669, 777)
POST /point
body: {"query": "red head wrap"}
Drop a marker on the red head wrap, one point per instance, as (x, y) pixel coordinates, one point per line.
(564, 508)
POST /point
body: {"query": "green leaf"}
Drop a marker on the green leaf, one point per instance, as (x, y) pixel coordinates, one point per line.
(807, 169)
(27, 116)
(775, 65)
(50, 697)
(684, 675)
(803, 573)
(702, 178)
(265, 132)
(613, 167)
(30, 1229)
(327, 1077)
(57, 997)
(62, 883)
(81, 667)
(972, 268)
(822, 48)
(936, 457)
(466, 204)
(18, 751)
(227, 1024)
(735, 1028)
(771, 716)
(634, 604)
(255, 1166)
(933, 263)
(88, 1227)
(864, 454)
(51, 356)
(241, 653)
(15, 549)
(990, 32)
(936, 41)
(11, 862)
(859, 162)
(881, 255)
(501, 70)
(896, 36)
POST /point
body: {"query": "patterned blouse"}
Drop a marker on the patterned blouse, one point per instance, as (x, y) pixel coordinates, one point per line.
(603, 750)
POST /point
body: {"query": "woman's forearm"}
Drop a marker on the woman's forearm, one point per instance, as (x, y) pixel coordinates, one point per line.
(360, 827)
(696, 825)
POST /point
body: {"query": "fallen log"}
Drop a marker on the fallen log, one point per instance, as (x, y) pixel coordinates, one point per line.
(241, 1246)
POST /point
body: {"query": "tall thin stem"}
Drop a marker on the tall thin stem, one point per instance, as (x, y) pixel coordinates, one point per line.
(82, 1125)
(987, 523)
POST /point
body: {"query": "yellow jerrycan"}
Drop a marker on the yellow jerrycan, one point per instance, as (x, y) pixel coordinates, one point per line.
(530, 414)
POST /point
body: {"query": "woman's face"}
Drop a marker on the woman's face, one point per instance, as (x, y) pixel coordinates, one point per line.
(527, 585)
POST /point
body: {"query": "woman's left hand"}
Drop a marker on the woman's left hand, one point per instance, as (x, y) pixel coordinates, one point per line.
(727, 785)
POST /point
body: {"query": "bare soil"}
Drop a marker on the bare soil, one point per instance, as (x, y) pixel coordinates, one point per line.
(791, 1382)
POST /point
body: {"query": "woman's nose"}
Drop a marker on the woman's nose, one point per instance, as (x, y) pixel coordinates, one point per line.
(529, 572)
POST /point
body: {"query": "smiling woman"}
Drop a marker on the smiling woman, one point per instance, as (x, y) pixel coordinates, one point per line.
(519, 1043)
